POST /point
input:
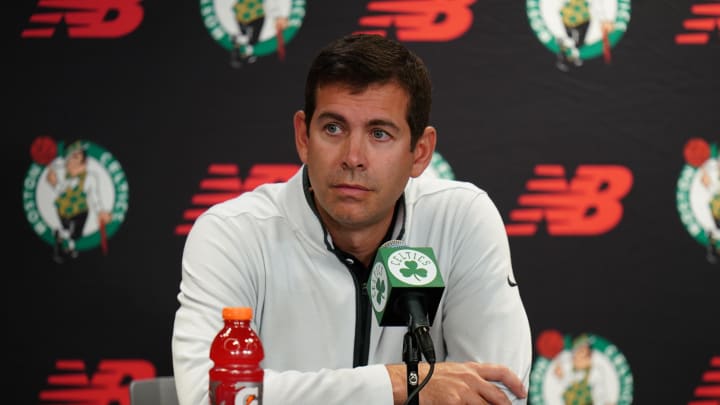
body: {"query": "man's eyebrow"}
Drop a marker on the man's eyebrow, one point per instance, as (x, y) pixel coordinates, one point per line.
(331, 116)
(383, 123)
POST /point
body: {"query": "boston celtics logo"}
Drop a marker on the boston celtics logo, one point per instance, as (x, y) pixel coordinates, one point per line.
(378, 287)
(578, 30)
(439, 168)
(400, 267)
(698, 195)
(580, 370)
(252, 28)
(75, 196)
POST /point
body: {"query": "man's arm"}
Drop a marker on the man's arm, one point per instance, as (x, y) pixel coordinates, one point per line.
(458, 383)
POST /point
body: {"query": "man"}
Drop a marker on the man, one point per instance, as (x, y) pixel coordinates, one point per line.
(299, 253)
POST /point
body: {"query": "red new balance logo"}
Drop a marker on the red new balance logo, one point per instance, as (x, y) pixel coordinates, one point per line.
(419, 20)
(708, 392)
(86, 18)
(707, 22)
(108, 385)
(589, 204)
(224, 183)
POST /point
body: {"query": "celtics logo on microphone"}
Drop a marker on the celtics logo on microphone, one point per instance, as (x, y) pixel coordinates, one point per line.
(412, 266)
(399, 270)
(378, 287)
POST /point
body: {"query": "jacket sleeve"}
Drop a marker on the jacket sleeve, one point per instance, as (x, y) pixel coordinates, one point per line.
(483, 315)
(356, 386)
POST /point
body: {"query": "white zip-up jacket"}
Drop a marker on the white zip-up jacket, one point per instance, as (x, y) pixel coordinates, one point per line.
(268, 250)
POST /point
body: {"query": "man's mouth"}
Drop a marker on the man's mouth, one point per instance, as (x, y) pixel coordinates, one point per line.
(350, 190)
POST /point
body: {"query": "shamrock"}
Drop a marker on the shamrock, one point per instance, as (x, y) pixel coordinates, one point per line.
(413, 270)
(380, 287)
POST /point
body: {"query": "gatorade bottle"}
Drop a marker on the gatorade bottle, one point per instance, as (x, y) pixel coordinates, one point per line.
(236, 377)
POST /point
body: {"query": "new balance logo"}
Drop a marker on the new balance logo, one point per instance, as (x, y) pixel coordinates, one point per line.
(698, 30)
(108, 384)
(587, 205)
(224, 183)
(418, 20)
(85, 18)
(708, 392)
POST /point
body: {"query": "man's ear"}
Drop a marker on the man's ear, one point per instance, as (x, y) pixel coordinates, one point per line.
(424, 149)
(301, 135)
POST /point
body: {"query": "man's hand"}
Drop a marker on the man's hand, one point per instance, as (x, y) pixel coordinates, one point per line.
(458, 383)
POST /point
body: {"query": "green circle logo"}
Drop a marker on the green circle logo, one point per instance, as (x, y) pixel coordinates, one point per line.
(578, 30)
(75, 197)
(251, 26)
(581, 370)
(698, 195)
(379, 287)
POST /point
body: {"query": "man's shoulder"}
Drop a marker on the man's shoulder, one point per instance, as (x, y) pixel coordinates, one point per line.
(263, 201)
(426, 186)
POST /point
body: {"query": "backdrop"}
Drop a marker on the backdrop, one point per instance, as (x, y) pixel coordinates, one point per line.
(593, 125)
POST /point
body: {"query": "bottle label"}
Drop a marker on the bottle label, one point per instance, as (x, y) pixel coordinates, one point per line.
(239, 393)
(249, 394)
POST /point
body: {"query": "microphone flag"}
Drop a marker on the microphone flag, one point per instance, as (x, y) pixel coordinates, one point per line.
(400, 275)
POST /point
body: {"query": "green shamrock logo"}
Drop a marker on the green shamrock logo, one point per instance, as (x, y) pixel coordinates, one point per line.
(413, 270)
(380, 287)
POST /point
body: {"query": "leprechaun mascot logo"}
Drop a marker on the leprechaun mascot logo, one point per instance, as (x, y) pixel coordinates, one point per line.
(249, 29)
(698, 195)
(582, 370)
(75, 197)
(579, 30)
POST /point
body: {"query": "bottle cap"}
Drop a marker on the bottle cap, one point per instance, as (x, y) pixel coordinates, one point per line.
(237, 313)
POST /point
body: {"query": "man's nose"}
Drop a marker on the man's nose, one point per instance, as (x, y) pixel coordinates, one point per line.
(355, 153)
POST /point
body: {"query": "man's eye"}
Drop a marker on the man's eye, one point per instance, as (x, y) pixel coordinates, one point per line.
(332, 129)
(380, 134)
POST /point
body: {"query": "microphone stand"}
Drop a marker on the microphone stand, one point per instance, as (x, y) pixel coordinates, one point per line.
(411, 357)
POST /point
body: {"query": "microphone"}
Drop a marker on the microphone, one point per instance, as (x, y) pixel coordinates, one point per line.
(405, 287)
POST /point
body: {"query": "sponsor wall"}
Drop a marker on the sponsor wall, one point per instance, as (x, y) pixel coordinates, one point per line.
(593, 126)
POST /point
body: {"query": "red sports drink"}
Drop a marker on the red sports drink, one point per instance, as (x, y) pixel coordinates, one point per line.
(236, 377)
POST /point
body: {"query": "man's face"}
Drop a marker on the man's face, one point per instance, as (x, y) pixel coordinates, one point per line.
(357, 152)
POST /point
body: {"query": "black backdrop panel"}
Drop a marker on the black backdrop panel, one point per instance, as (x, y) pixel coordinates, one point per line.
(171, 126)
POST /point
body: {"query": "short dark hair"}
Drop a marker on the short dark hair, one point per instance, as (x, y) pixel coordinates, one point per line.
(360, 60)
